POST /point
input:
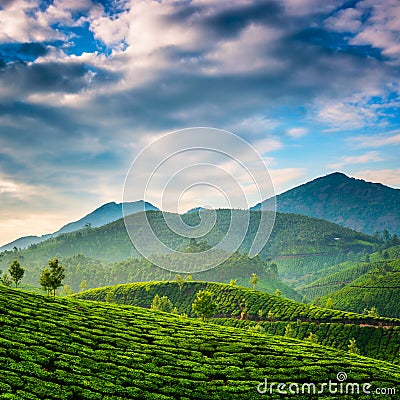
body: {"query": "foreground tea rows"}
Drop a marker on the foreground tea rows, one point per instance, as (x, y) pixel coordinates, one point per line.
(70, 349)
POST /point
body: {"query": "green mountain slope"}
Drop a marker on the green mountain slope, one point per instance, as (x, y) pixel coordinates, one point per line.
(379, 288)
(292, 234)
(376, 337)
(338, 276)
(350, 202)
(68, 349)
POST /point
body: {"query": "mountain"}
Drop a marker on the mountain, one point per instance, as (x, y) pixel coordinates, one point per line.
(350, 202)
(71, 349)
(100, 216)
(292, 235)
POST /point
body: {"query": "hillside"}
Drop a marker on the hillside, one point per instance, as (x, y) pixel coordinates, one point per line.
(100, 216)
(350, 202)
(68, 349)
(228, 298)
(379, 288)
(336, 277)
(376, 337)
(238, 267)
(292, 234)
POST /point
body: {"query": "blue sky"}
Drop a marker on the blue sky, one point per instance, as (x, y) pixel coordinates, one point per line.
(84, 85)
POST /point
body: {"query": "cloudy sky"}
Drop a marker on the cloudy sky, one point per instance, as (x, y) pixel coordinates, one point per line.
(84, 85)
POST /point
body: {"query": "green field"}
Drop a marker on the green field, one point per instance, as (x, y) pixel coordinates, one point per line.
(69, 349)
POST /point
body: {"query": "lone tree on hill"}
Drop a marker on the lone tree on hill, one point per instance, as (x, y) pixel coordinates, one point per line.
(83, 285)
(5, 279)
(353, 347)
(162, 304)
(203, 305)
(52, 277)
(180, 281)
(329, 303)
(254, 280)
(16, 272)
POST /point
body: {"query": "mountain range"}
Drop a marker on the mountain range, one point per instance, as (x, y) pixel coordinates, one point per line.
(103, 215)
(354, 203)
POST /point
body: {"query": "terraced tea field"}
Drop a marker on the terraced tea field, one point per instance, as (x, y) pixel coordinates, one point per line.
(70, 349)
(376, 337)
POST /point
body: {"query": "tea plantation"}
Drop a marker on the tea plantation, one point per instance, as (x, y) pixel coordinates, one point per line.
(229, 299)
(376, 337)
(73, 349)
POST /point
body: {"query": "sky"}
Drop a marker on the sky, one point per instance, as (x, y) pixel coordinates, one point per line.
(85, 85)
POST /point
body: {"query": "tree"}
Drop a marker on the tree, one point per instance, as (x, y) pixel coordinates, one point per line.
(232, 282)
(254, 280)
(329, 303)
(162, 304)
(45, 281)
(16, 272)
(278, 293)
(203, 305)
(353, 347)
(288, 331)
(5, 279)
(67, 290)
(312, 338)
(52, 277)
(83, 285)
(373, 312)
(273, 269)
(386, 235)
(270, 316)
(260, 314)
(180, 281)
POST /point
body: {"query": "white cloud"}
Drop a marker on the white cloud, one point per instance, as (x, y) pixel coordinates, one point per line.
(242, 54)
(266, 145)
(285, 178)
(347, 20)
(24, 21)
(382, 27)
(17, 25)
(356, 111)
(296, 132)
(255, 124)
(309, 7)
(371, 156)
(389, 177)
(369, 141)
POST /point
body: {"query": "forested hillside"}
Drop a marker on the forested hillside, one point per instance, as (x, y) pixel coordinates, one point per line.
(66, 349)
(357, 204)
(291, 235)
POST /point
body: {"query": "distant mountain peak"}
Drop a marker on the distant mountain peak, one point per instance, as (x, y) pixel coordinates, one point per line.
(102, 215)
(347, 201)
